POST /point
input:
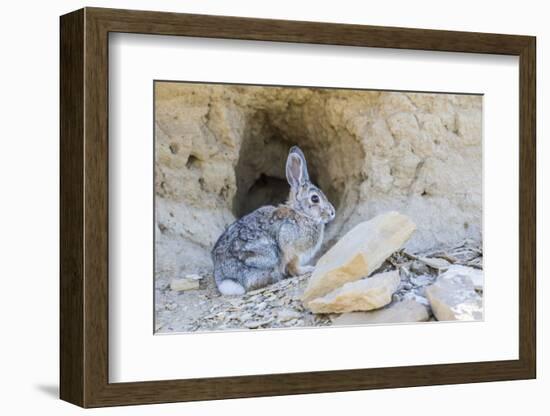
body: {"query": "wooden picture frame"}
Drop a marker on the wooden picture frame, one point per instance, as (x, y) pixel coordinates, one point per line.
(84, 207)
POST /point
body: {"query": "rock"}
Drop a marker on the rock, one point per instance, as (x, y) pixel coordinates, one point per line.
(361, 295)
(418, 267)
(416, 297)
(358, 253)
(418, 153)
(245, 316)
(189, 282)
(256, 324)
(404, 311)
(422, 280)
(475, 275)
(193, 276)
(435, 263)
(453, 298)
(287, 315)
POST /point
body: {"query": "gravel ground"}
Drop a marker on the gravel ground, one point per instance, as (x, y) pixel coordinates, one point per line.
(279, 305)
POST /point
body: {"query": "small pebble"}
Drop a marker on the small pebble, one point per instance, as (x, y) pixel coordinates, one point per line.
(256, 324)
(287, 315)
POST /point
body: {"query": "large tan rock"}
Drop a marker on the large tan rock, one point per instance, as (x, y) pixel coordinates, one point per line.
(404, 311)
(358, 253)
(453, 298)
(362, 295)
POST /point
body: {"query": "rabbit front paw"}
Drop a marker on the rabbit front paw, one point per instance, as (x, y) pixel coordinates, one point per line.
(293, 268)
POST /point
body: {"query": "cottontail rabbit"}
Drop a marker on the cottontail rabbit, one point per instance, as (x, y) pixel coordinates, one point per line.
(272, 243)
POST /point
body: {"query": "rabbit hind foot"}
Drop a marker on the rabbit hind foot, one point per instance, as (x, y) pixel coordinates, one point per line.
(229, 287)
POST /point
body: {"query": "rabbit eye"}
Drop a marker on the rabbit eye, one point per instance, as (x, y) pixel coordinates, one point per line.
(315, 199)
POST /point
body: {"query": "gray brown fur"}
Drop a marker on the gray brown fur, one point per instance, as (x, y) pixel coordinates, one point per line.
(272, 243)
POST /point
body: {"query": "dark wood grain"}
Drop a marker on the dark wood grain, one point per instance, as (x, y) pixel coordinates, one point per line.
(527, 207)
(226, 27)
(71, 184)
(84, 207)
(96, 219)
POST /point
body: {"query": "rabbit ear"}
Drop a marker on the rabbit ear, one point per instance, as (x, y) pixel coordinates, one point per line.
(296, 168)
